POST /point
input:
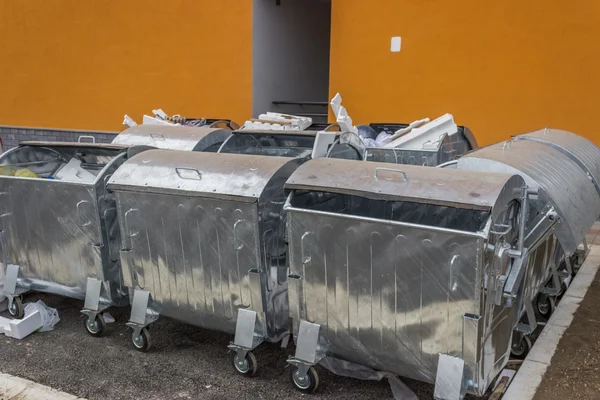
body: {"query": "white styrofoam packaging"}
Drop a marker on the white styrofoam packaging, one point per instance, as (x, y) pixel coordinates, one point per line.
(21, 328)
(322, 143)
(428, 135)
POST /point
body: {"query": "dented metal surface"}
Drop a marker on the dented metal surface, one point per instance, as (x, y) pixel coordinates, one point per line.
(203, 233)
(395, 276)
(60, 233)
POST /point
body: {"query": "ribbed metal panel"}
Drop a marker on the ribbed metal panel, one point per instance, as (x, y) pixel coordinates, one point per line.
(581, 150)
(561, 181)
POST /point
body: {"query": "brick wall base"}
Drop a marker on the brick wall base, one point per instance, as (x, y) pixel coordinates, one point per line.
(13, 135)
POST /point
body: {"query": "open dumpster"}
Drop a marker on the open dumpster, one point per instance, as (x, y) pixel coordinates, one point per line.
(203, 242)
(427, 153)
(402, 270)
(59, 225)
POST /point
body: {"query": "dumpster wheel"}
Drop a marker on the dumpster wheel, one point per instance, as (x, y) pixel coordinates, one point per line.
(95, 327)
(142, 341)
(246, 366)
(521, 349)
(307, 384)
(545, 305)
(16, 309)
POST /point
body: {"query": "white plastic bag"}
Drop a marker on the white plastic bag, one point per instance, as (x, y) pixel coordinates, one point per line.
(49, 315)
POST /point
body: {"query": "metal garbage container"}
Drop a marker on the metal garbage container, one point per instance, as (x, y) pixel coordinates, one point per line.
(561, 172)
(447, 148)
(188, 138)
(59, 225)
(203, 243)
(298, 144)
(402, 269)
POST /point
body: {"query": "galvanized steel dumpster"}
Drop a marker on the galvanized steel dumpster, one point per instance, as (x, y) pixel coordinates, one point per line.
(449, 147)
(202, 242)
(188, 138)
(297, 144)
(59, 230)
(405, 270)
(561, 172)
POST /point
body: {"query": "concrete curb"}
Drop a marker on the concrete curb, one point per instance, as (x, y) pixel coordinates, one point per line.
(13, 388)
(530, 375)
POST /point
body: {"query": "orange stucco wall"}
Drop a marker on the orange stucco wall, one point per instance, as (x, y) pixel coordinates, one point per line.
(84, 64)
(500, 67)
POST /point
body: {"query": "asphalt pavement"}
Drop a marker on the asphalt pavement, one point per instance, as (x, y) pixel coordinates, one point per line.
(185, 363)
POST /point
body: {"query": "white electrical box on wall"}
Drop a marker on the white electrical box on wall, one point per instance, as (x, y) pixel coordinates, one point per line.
(396, 44)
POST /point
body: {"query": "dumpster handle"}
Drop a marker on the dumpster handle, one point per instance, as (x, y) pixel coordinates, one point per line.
(375, 175)
(238, 245)
(127, 222)
(197, 176)
(88, 223)
(305, 260)
(157, 136)
(86, 137)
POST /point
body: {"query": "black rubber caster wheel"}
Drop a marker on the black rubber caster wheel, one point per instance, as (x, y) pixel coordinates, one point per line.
(246, 366)
(95, 327)
(545, 305)
(142, 341)
(521, 349)
(307, 384)
(16, 309)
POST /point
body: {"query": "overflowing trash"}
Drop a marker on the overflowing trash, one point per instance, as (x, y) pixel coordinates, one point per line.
(273, 121)
(162, 118)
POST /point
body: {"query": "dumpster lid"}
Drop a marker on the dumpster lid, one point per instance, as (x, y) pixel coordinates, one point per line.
(560, 180)
(88, 145)
(450, 187)
(188, 138)
(585, 153)
(238, 176)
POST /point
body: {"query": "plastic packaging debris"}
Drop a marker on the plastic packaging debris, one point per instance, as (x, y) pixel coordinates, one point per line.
(427, 135)
(277, 122)
(341, 115)
(49, 315)
(73, 172)
(410, 127)
(25, 173)
(345, 368)
(21, 328)
(128, 122)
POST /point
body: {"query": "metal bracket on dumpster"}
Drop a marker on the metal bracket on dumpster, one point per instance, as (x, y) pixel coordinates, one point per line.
(515, 278)
(249, 332)
(449, 381)
(309, 350)
(96, 298)
(11, 286)
(542, 224)
(141, 314)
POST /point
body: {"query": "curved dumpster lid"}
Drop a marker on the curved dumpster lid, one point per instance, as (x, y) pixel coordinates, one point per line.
(384, 181)
(560, 180)
(585, 153)
(238, 176)
(188, 138)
